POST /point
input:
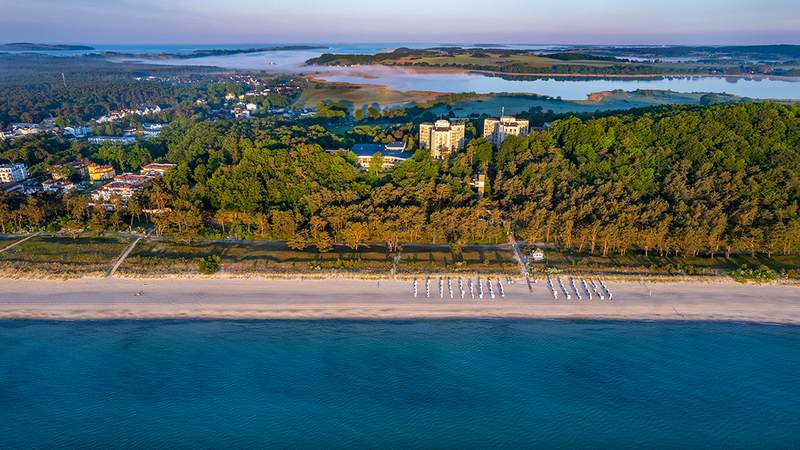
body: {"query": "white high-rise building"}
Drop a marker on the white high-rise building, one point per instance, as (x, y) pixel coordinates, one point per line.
(12, 173)
(442, 137)
(497, 130)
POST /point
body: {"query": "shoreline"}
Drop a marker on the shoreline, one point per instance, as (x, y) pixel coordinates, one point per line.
(485, 72)
(353, 299)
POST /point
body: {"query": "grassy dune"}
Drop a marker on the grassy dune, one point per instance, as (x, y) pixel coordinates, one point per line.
(653, 264)
(62, 256)
(441, 259)
(161, 258)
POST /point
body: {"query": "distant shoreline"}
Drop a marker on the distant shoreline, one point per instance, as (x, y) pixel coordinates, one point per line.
(205, 53)
(449, 70)
(245, 299)
(31, 47)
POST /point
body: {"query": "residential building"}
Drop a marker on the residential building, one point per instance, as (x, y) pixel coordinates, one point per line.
(24, 129)
(48, 124)
(497, 130)
(77, 132)
(479, 182)
(156, 169)
(99, 172)
(12, 187)
(126, 185)
(365, 152)
(442, 137)
(58, 186)
(13, 173)
(124, 140)
(395, 147)
(116, 188)
(62, 171)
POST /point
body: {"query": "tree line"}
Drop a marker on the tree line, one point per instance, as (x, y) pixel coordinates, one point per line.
(673, 180)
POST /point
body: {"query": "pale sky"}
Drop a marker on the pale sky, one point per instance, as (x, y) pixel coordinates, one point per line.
(441, 21)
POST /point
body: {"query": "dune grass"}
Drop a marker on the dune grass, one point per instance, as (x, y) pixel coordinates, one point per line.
(62, 256)
(441, 259)
(636, 263)
(162, 258)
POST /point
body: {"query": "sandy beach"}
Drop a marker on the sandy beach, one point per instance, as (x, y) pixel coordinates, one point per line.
(112, 298)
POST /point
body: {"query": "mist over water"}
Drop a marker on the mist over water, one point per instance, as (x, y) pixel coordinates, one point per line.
(334, 384)
(405, 79)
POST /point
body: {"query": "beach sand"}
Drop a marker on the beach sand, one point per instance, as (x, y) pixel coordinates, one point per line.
(112, 298)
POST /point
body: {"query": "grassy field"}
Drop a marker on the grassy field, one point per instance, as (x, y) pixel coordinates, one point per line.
(9, 239)
(440, 259)
(638, 264)
(358, 96)
(529, 61)
(62, 256)
(167, 257)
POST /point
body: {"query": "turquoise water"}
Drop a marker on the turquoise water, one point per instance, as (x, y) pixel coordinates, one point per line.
(442, 384)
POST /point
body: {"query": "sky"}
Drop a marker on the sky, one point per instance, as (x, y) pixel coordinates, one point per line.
(441, 21)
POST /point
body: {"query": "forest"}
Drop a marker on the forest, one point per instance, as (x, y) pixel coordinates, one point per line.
(77, 89)
(674, 180)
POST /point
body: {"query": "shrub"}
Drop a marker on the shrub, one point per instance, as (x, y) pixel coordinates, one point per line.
(762, 274)
(209, 265)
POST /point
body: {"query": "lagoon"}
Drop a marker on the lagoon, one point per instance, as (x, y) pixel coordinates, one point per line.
(564, 87)
(405, 79)
(568, 88)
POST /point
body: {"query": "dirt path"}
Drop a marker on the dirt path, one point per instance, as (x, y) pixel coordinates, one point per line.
(19, 242)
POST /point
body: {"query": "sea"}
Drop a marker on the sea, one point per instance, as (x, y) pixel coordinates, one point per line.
(398, 384)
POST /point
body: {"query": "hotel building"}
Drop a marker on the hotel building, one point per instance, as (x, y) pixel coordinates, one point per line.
(442, 138)
(496, 131)
(12, 173)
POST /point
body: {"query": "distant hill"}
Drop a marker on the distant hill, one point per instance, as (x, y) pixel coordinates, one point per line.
(780, 50)
(30, 47)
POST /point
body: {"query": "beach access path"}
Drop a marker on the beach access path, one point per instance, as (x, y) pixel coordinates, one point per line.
(221, 298)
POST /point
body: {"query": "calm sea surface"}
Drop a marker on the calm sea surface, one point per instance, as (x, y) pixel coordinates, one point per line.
(442, 384)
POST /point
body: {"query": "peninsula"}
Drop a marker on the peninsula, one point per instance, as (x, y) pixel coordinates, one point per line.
(31, 47)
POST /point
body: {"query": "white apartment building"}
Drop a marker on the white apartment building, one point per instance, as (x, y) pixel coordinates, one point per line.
(442, 137)
(13, 173)
(497, 130)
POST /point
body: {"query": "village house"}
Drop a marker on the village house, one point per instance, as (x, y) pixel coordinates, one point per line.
(127, 185)
(58, 186)
(100, 172)
(123, 140)
(156, 169)
(74, 168)
(24, 129)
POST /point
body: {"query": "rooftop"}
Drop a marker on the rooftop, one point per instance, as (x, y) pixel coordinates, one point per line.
(363, 150)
